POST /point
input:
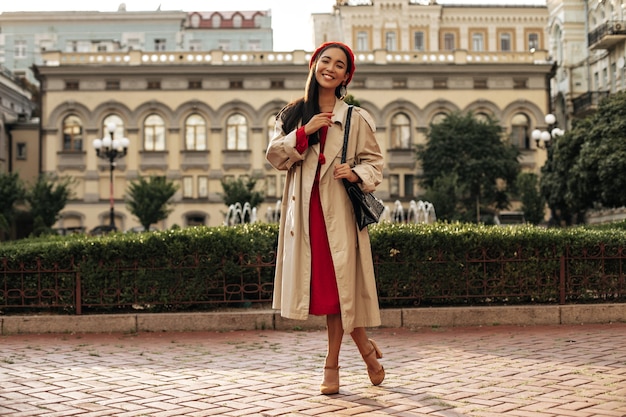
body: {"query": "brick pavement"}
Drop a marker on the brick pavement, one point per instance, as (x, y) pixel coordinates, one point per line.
(541, 371)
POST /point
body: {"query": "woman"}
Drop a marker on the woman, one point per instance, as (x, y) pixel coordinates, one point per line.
(324, 262)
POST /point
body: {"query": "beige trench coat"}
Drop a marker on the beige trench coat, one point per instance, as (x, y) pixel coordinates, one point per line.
(350, 248)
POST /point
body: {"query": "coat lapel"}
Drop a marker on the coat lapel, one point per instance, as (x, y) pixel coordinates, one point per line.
(334, 138)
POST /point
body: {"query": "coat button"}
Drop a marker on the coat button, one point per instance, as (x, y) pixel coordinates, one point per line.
(292, 233)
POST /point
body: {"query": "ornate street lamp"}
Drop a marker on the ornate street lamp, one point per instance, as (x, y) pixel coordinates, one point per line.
(543, 137)
(111, 149)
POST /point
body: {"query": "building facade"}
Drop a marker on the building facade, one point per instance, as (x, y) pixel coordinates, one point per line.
(588, 43)
(198, 118)
(24, 36)
(198, 112)
(18, 128)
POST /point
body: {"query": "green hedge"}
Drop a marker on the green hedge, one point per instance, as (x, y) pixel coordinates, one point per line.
(439, 264)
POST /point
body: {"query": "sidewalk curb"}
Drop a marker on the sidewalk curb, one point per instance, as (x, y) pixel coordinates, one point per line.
(271, 319)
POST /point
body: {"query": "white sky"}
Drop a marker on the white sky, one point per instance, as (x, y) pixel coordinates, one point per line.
(291, 19)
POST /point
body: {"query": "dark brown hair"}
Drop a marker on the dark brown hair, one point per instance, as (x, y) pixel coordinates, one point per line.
(306, 107)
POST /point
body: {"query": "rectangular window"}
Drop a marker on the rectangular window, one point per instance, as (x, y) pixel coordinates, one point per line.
(520, 83)
(20, 49)
(71, 85)
(519, 137)
(271, 186)
(46, 45)
(362, 43)
(254, 44)
(187, 187)
(613, 76)
(409, 184)
(21, 151)
(390, 41)
(440, 83)
(133, 44)
(71, 46)
(236, 84)
(394, 185)
(223, 44)
(277, 84)
(398, 83)
(418, 41)
(480, 83)
(505, 42)
(154, 85)
(533, 41)
(478, 42)
(159, 45)
(112, 85)
(194, 85)
(195, 45)
(449, 43)
(605, 78)
(203, 187)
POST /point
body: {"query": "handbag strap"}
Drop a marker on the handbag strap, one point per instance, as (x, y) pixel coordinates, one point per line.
(346, 133)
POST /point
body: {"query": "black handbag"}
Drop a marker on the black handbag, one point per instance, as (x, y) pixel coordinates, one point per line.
(367, 207)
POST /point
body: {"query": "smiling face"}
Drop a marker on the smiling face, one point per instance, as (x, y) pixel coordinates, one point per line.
(331, 69)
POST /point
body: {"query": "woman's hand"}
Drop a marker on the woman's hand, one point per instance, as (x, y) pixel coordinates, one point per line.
(317, 122)
(344, 171)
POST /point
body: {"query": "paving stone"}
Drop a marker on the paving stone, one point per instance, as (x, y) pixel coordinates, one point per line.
(486, 371)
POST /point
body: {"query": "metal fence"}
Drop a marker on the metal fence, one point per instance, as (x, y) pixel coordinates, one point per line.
(477, 277)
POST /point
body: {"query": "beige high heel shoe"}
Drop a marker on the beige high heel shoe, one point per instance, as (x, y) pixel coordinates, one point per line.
(376, 377)
(330, 384)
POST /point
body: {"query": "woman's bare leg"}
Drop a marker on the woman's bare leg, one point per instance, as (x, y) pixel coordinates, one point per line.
(366, 349)
(330, 384)
(335, 336)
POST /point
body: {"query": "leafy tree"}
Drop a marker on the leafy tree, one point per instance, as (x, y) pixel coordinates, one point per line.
(533, 203)
(472, 150)
(241, 191)
(46, 198)
(11, 192)
(586, 166)
(149, 200)
(445, 195)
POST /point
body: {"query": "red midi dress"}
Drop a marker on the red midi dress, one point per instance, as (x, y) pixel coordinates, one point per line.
(324, 292)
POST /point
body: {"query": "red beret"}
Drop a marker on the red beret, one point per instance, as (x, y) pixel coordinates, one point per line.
(341, 45)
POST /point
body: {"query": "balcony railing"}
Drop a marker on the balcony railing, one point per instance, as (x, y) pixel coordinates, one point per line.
(588, 102)
(379, 57)
(607, 35)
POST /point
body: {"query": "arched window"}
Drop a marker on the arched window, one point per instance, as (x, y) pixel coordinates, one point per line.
(216, 21)
(119, 126)
(195, 133)
(400, 131)
(154, 133)
(195, 20)
(520, 131)
(237, 132)
(438, 118)
(481, 117)
(237, 21)
(72, 134)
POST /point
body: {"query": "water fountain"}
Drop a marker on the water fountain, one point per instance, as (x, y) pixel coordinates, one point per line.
(238, 214)
(421, 212)
(397, 214)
